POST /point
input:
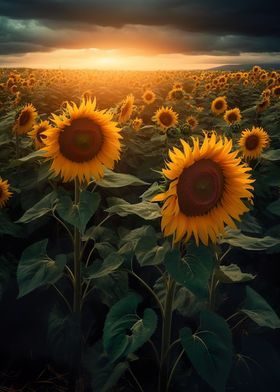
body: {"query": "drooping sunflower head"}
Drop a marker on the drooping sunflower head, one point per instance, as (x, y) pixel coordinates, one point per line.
(207, 185)
(192, 122)
(82, 142)
(136, 123)
(37, 134)
(149, 97)
(232, 116)
(252, 142)
(126, 109)
(5, 194)
(25, 119)
(219, 105)
(165, 117)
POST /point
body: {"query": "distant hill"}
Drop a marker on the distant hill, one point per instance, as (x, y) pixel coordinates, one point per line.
(244, 67)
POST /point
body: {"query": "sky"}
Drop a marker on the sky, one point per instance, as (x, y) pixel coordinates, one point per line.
(138, 34)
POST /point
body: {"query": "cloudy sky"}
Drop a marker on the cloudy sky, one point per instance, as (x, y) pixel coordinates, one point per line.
(138, 34)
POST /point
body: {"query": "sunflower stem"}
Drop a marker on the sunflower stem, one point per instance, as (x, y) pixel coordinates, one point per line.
(78, 290)
(166, 335)
(17, 146)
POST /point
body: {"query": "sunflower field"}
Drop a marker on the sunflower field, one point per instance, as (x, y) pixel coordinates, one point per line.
(139, 230)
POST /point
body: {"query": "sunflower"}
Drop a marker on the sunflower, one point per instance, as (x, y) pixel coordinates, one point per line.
(165, 117)
(219, 105)
(149, 97)
(25, 119)
(192, 122)
(126, 109)
(206, 185)
(5, 194)
(37, 133)
(252, 142)
(276, 91)
(232, 116)
(82, 142)
(136, 123)
(176, 94)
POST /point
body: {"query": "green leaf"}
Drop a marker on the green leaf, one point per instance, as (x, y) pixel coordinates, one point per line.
(104, 374)
(124, 331)
(149, 254)
(144, 209)
(258, 310)
(249, 224)
(232, 274)
(271, 155)
(34, 155)
(237, 239)
(116, 180)
(210, 349)
(274, 207)
(9, 227)
(153, 190)
(40, 209)
(36, 268)
(111, 288)
(78, 215)
(101, 268)
(193, 270)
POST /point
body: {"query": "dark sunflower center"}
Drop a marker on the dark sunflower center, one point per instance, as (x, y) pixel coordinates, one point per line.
(149, 97)
(165, 118)
(200, 187)
(277, 91)
(40, 136)
(24, 118)
(81, 141)
(1, 192)
(219, 105)
(232, 117)
(191, 122)
(252, 142)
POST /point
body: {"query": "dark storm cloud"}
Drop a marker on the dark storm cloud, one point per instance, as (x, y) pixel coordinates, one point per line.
(140, 27)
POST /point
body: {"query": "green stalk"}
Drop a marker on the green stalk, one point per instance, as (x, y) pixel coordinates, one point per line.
(166, 335)
(77, 257)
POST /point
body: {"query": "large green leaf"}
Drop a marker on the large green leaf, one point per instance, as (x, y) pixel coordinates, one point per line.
(274, 207)
(210, 349)
(104, 374)
(272, 155)
(78, 215)
(232, 274)
(104, 267)
(112, 179)
(144, 209)
(39, 209)
(257, 309)
(36, 268)
(9, 227)
(34, 155)
(239, 240)
(124, 331)
(193, 270)
(149, 254)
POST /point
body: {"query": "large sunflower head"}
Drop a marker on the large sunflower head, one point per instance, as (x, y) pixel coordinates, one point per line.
(37, 133)
(82, 141)
(126, 109)
(206, 186)
(5, 194)
(252, 142)
(25, 119)
(219, 105)
(165, 117)
(149, 97)
(232, 116)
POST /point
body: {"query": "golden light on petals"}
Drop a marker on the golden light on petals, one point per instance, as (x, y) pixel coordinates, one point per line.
(37, 133)
(219, 105)
(126, 109)
(5, 194)
(207, 188)
(232, 116)
(165, 117)
(25, 119)
(149, 97)
(82, 142)
(253, 142)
